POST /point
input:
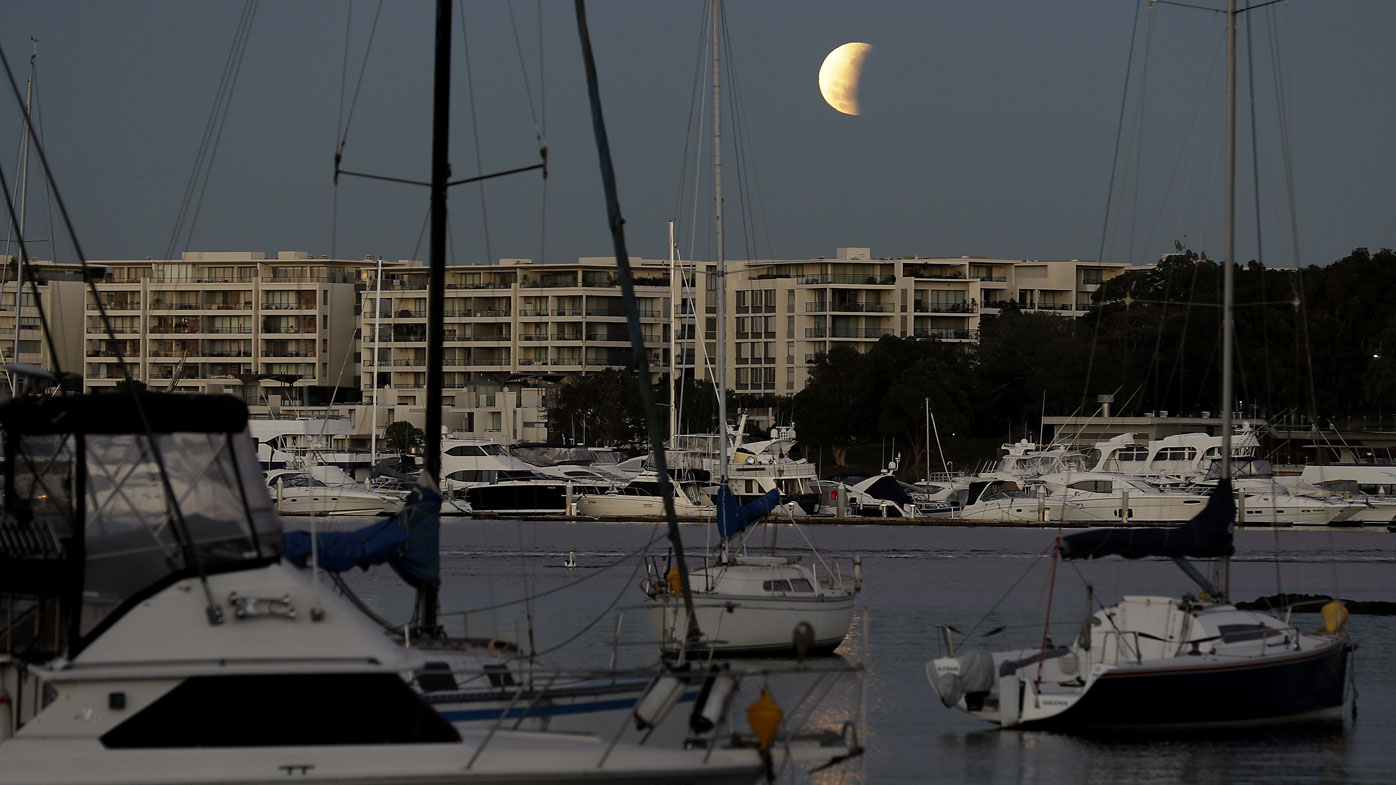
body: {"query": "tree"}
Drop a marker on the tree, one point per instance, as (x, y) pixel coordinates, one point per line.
(837, 407)
(601, 409)
(927, 383)
(402, 436)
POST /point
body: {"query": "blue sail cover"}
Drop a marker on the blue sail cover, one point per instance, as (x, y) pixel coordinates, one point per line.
(732, 518)
(1207, 535)
(409, 542)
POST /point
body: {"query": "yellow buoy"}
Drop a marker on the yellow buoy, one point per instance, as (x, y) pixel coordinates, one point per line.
(673, 577)
(764, 716)
(1335, 615)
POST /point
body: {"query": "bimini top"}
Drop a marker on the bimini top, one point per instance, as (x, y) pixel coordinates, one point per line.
(99, 513)
(116, 413)
(1207, 535)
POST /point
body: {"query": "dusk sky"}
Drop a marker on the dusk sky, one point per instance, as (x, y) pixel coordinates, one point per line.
(987, 128)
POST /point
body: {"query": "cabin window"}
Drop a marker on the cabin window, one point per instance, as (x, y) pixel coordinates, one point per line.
(801, 585)
(1132, 454)
(776, 586)
(463, 450)
(290, 710)
(1235, 633)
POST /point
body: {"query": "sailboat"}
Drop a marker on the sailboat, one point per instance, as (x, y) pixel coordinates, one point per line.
(1151, 661)
(763, 605)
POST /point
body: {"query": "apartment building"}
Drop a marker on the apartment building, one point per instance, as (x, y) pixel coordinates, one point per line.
(263, 329)
(783, 313)
(506, 325)
(61, 290)
(522, 322)
(280, 331)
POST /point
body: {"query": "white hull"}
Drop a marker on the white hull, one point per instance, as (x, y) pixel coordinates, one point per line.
(547, 759)
(1018, 509)
(754, 625)
(752, 605)
(1158, 509)
(621, 505)
(332, 501)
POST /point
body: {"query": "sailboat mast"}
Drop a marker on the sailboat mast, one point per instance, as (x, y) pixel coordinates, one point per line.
(22, 189)
(426, 614)
(1228, 275)
(436, 280)
(674, 292)
(719, 264)
(377, 338)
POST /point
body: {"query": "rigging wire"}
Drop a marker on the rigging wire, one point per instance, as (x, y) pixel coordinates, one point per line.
(33, 281)
(342, 122)
(475, 130)
(177, 523)
(1110, 186)
(213, 131)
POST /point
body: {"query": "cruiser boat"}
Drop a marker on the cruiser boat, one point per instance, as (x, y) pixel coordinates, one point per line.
(490, 481)
(1183, 456)
(642, 496)
(256, 674)
(1267, 502)
(308, 443)
(1004, 500)
(1103, 498)
(298, 492)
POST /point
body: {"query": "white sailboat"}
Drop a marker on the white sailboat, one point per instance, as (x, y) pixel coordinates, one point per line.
(1151, 661)
(745, 604)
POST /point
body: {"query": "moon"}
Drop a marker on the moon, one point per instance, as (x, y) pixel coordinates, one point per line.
(839, 76)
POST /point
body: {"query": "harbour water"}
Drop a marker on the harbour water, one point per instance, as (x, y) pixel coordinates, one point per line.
(977, 579)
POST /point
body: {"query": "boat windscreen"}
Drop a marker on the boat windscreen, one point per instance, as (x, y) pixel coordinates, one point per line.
(131, 534)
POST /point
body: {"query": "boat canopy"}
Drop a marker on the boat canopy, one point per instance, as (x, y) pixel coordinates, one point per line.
(1207, 535)
(91, 522)
(886, 488)
(408, 542)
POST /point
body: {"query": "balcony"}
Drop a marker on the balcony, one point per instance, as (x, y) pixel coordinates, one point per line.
(947, 307)
(946, 334)
(856, 307)
(856, 279)
(847, 332)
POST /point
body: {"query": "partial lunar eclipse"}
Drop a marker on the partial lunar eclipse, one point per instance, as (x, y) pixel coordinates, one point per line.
(840, 74)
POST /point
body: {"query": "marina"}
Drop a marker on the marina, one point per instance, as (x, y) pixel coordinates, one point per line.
(915, 578)
(423, 519)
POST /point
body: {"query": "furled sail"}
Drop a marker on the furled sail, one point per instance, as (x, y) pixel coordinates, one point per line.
(1207, 535)
(409, 542)
(732, 517)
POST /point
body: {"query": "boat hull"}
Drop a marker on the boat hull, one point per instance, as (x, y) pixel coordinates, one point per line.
(1293, 687)
(1299, 686)
(754, 626)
